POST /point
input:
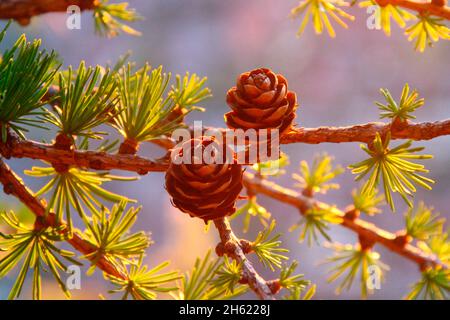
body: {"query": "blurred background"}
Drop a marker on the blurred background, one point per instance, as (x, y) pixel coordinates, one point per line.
(336, 80)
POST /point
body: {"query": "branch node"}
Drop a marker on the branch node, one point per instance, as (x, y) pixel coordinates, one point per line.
(274, 286)
(247, 246)
(96, 164)
(63, 142)
(366, 243)
(8, 188)
(220, 250)
(402, 238)
(129, 146)
(308, 192)
(351, 213)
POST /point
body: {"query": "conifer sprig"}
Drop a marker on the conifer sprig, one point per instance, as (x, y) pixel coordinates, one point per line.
(110, 19)
(295, 284)
(199, 283)
(368, 201)
(143, 111)
(316, 178)
(353, 261)
(316, 222)
(110, 234)
(189, 91)
(319, 11)
(394, 167)
(228, 276)
(142, 283)
(427, 30)
(267, 247)
(26, 73)
(422, 223)
(409, 102)
(252, 209)
(388, 12)
(86, 100)
(434, 285)
(33, 249)
(76, 190)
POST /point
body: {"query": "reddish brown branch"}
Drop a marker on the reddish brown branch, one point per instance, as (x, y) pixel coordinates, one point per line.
(437, 8)
(23, 10)
(234, 250)
(13, 185)
(17, 148)
(104, 161)
(363, 228)
(98, 160)
(366, 132)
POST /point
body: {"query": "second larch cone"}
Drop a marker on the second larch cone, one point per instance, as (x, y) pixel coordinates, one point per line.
(261, 100)
(206, 191)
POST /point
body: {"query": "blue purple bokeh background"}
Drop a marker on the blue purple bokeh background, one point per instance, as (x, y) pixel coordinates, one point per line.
(336, 80)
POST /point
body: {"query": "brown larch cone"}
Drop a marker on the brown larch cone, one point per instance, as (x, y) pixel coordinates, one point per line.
(206, 191)
(261, 100)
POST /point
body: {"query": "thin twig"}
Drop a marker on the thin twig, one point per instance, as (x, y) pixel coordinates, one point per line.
(233, 248)
(13, 185)
(104, 161)
(23, 10)
(17, 148)
(366, 132)
(420, 6)
(363, 228)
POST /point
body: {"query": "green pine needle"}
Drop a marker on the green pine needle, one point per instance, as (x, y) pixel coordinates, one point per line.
(76, 189)
(143, 112)
(105, 145)
(319, 11)
(267, 248)
(26, 73)
(295, 284)
(228, 276)
(386, 13)
(367, 201)
(32, 250)
(316, 178)
(201, 282)
(426, 31)
(297, 293)
(142, 283)
(351, 261)
(252, 209)
(110, 234)
(189, 91)
(393, 166)
(272, 168)
(315, 222)
(409, 102)
(438, 245)
(421, 223)
(86, 100)
(434, 285)
(109, 19)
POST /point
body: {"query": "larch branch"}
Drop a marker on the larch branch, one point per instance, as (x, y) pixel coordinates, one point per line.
(366, 132)
(229, 240)
(17, 148)
(363, 228)
(436, 8)
(13, 185)
(23, 10)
